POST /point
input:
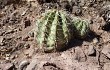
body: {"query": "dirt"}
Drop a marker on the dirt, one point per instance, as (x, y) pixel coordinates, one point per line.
(17, 42)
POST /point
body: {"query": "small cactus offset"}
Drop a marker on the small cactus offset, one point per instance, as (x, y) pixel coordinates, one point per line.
(53, 31)
(81, 27)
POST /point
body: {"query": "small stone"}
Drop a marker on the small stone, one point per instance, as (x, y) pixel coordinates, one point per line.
(25, 38)
(66, 5)
(95, 40)
(7, 66)
(106, 50)
(19, 45)
(23, 64)
(7, 57)
(82, 3)
(27, 46)
(105, 12)
(31, 34)
(30, 39)
(32, 65)
(10, 31)
(77, 10)
(12, 57)
(1, 40)
(91, 51)
(80, 55)
(29, 52)
(2, 14)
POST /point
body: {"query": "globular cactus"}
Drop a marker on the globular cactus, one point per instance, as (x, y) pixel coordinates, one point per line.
(81, 27)
(53, 31)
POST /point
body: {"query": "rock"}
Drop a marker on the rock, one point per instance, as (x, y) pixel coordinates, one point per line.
(95, 40)
(91, 51)
(31, 34)
(107, 66)
(29, 52)
(7, 58)
(2, 14)
(108, 17)
(105, 13)
(80, 55)
(12, 57)
(27, 46)
(82, 3)
(77, 10)
(23, 64)
(32, 65)
(30, 39)
(8, 66)
(2, 32)
(10, 31)
(1, 40)
(104, 9)
(66, 5)
(25, 38)
(19, 45)
(105, 36)
(106, 50)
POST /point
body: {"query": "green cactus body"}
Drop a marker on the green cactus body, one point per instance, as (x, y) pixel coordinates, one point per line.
(81, 27)
(53, 31)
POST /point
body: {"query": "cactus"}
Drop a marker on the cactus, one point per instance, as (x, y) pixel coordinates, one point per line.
(81, 27)
(53, 31)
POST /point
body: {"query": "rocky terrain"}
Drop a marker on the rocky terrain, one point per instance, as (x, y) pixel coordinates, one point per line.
(18, 49)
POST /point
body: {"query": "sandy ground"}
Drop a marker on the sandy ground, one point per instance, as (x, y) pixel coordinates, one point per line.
(18, 49)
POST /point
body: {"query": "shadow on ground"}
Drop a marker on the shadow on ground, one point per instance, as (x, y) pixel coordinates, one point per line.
(78, 42)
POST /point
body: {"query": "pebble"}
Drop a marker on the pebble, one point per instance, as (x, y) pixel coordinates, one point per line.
(66, 5)
(91, 50)
(23, 64)
(32, 65)
(10, 31)
(95, 40)
(12, 57)
(25, 38)
(7, 66)
(80, 55)
(106, 50)
(31, 34)
(7, 58)
(29, 52)
(76, 10)
(27, 46)
(1, 40)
